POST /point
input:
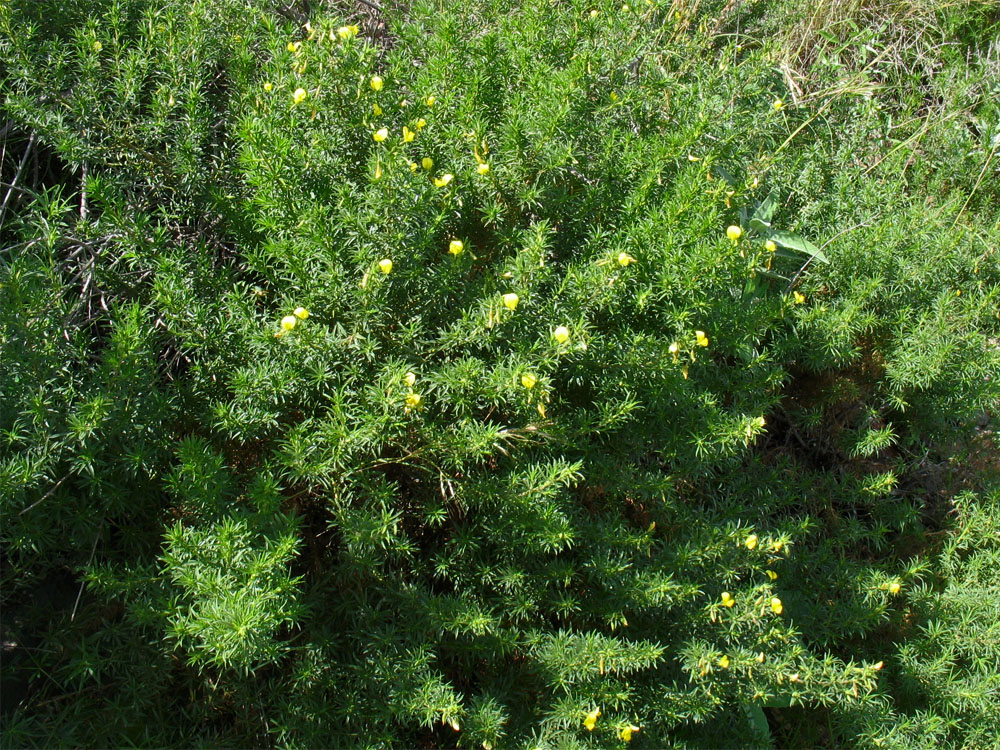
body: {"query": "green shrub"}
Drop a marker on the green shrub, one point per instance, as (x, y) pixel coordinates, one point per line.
(329, 484)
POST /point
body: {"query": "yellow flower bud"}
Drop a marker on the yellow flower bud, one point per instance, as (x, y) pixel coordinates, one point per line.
(724, 661)
(301, 313)
(751, 542)
(594, 14)
(770, 246)
(727, 599)
(98, 46)
(380, 135)
(376, 83)
(410, 378)
(456, 247)
(510, 300)
(431, 100)
(528, 380)
(413, 400)
(413, 166)
(561, 334)
(268, 86)
(777, 104)
(772, 575)
(624, 259)
(376, 110)
(427, 163)
(288, 322)
(385, 265)
(895, 587)
(299, 96)
(734, 232)
(482, 168)
(421, 123)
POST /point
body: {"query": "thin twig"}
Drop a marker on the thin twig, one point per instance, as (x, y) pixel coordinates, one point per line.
(821, 248)
(24, 161)
(83, 583)
(83, 193)
(45, 496)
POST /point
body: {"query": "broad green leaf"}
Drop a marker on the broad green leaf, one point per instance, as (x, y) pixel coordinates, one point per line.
(759, 722)
(766, 209)
(797, 242)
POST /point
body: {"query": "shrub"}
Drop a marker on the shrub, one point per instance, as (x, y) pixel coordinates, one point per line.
(330, 484)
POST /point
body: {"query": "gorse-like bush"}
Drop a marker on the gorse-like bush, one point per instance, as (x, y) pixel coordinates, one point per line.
(513, 375)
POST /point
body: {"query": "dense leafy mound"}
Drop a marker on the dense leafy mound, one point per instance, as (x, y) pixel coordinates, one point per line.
(502, 374)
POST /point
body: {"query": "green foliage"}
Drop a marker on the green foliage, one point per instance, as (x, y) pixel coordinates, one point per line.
(285, 463)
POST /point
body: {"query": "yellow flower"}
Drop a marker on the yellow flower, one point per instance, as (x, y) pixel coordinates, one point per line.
(431, 100)
(751, 542)
(288, 322)
(760, 657)
(625, 8)
(776, 545)
(770, 246)
(299, 96)
(798, 297)
(427, 163)
(591, 721)
(376, 83)
(528, 380)
(701, 338)
(727, 599)
(443, 180)
(482, 168)
(380, 135)
(385, 265)
(413, 400)
(421, 123)
(268, 86)
(98, 46)
(626, 732)
(353, 29)
(724, 661)
(376, 110)
(456, 247)
(301, 313)
(413, 166)
(410, 379)
(776, 605)
(895, 587)
(293, 46)
(734, 232)
(346, 32)
(510, 300)
(561, 334)
(593, 14)
(624, 259)
(408, 135)
(777, 104)
(772, 575)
